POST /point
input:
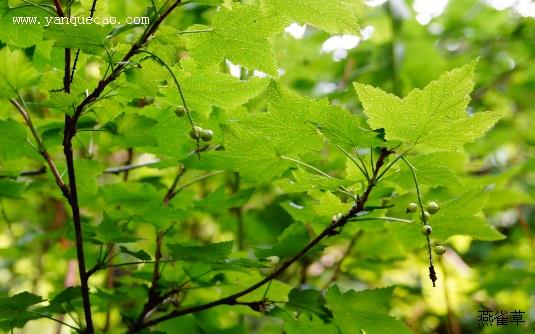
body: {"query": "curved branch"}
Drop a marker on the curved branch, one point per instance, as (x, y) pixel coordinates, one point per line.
(42, 150)
(330, 230)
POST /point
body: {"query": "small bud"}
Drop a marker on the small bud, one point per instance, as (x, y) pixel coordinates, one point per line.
(195, 133)
(439, 250)
(273, 259)
(412, 207)
(432, 207)
(337, 217)
(180, 111)
(207, 135)
(426, 230)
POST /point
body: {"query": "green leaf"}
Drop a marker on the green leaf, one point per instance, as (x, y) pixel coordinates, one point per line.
(460, 216)
(303, 325)
(212, 252)
(434, 118)
(344, 128)
(62, 101)
(109, 232)
(217, 202)
(15, 306)
(140, 254)
(172, 137)
(20, 35)
(434, 169)
(145, 81)
(241, 34)
(204, 88)
(308, 301)
(87, 172)
(16, 72)
(132, 130)
(289, 243)
(288, 122)
(333, 16)
(256, 143)
(364, 311)
(11, 189)
(13, 141)
(90, 38)
(305, 181)
(64, 301)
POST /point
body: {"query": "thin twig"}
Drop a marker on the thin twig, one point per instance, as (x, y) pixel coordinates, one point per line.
(432, 273)
(180, 92)
(169, 195)
(41, 147)
(184, 186)
(392, 163)
(91, 14)
(362, 170)
(126, 168)
(392, 219)
(307, 165)
(78, 330)
(194, 31)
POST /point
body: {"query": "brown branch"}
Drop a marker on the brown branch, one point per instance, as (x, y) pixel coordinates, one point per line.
(93, 7)
(154, 296)
(67, 72)
(73, 201)
(69, 133)
(41, 147)
(126, 168)
(58, 8)
(110, 170)
(171, 192)
(91, 14)
(92, 97)
(40, 171)
(330, 230)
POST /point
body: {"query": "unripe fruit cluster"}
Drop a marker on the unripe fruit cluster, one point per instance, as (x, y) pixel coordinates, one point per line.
(430, 208)
(199, 133)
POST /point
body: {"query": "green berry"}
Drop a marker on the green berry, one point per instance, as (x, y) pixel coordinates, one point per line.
(426, 230)
(195, 133)
(439, 250)
(206, 135)
(180, 111)
(412, 207)
(427, 216)
(432, 207)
